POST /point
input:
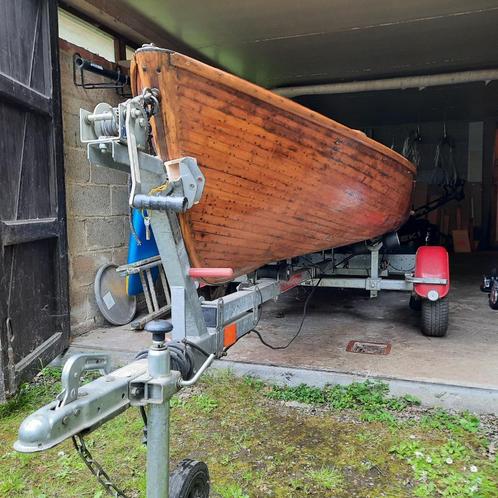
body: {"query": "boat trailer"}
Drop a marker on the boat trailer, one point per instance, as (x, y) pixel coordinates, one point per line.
(200, 330)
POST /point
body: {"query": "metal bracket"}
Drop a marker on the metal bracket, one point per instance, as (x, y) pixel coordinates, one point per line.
(186, 172)
(114, 154)
(145, 390)
(425, 280)
(373, 284)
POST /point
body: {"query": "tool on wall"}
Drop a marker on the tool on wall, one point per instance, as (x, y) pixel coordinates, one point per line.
(119, 80)
(445, 173)
(411, 147)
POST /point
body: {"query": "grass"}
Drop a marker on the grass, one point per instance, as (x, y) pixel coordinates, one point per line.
(354, 440)
(327, 478)
(370, 398)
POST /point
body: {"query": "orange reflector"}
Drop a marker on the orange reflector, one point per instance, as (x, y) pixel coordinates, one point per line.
(230, 335)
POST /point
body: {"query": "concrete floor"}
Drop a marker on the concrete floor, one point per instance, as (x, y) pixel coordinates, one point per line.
(467, 356)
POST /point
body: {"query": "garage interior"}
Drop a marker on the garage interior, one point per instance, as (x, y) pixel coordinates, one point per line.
(320, 61)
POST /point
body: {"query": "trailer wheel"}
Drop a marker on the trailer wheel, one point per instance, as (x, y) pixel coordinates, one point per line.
(435, 316)
(493, 296)
(190, 479)
(415, 303)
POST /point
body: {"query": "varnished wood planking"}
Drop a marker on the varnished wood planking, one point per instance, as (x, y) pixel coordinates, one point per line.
(281, 180)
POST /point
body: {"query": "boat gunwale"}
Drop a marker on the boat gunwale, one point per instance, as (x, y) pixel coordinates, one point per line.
(234, 82)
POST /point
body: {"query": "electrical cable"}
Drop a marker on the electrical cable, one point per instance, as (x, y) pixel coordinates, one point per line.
(305, 309)
(345, 260)
(195, 346)
(144, 415)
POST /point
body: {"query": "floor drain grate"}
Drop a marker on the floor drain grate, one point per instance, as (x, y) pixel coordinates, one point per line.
(368, 347)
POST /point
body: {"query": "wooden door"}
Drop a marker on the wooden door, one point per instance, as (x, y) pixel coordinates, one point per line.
(34, 311)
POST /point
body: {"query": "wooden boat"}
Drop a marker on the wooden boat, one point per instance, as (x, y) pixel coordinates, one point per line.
(281, 180)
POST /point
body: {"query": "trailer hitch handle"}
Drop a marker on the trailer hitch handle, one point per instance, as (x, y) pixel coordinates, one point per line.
(197, 376)
(74, 369)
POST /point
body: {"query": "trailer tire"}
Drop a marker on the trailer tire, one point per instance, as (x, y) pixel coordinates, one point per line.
(190, 479)
(435, 317)
(493, 296)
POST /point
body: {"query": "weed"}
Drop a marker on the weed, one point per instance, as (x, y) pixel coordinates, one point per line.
(204, 402)
(442, 420)
(11, 483)
(301, 393)
(30, 395)
(447, 470)
(371, 398)
(299, 485)
(327, 478)
(53, 373)
(368, 395)
(230, 491)
(254, 448)
(176, 402)
(253, 382)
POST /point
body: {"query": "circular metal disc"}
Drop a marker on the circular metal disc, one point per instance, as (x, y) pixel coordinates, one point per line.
(114, 303)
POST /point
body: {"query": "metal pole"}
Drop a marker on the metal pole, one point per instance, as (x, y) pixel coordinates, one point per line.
(374, 268)
(158, 426)
(401, 83)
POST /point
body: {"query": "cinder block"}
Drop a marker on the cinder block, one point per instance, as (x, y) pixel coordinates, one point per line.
(120, 255)
(126, 226)
(104, 233)
(76, 165)
(78, 300)
(88, 200)
(93, 312)
(83, 268)
(71, 128)
(119, 200)
(108, 176)
(76, 236)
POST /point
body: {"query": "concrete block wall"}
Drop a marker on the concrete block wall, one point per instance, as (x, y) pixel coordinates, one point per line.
(96, 199)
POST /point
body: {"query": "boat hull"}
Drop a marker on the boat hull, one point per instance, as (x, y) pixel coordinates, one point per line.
(281, 180)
